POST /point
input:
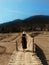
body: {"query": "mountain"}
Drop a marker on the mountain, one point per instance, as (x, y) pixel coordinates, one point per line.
(38, 22)
(38, 19)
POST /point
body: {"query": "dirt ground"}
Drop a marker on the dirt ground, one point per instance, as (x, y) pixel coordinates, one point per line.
(7, 46)
(41, 39)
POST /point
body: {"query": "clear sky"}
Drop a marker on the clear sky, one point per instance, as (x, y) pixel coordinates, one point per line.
(21, 9)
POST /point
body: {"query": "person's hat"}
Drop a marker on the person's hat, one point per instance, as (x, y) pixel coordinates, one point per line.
(23, 32)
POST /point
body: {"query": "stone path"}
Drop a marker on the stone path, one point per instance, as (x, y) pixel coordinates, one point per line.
(25, 58)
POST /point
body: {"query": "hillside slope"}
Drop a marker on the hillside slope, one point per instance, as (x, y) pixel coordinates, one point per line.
(38, 22)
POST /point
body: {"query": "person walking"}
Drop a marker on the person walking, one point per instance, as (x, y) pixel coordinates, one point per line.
(24, 41)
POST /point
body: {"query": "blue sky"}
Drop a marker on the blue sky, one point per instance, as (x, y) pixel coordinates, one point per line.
(21, 9)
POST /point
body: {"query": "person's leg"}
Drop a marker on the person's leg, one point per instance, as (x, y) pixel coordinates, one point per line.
(23, 50)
